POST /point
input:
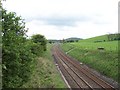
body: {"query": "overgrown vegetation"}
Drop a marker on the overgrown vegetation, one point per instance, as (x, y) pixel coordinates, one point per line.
(86, 51)
(112, 37)
(45, 74)
(27, 63)
(18, 53)
(40, 40)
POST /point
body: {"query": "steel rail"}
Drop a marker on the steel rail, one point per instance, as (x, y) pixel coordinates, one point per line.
(105, 85)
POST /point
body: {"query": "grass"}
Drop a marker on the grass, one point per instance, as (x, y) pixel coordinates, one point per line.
(45, 74)
(109, 45)
(93, 45)
(90, 44)
(106, 61)
(97, 38)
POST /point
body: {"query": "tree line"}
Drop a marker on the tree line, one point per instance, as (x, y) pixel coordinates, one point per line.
(112, 37)
(18, 52)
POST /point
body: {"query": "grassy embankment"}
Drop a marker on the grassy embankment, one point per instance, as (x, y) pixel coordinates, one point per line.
(45, 74)
(104, 61)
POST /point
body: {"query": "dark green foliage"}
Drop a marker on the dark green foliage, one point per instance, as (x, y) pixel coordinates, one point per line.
(112, 37)
(16, 55)
(17, 51)
(40, 40)
(36, 49)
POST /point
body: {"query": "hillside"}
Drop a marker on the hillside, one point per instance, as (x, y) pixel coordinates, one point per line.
(99, 41)
(103, 38)
(97, 38)
(73, 38)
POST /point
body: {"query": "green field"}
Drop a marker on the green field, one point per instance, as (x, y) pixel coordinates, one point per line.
(92, 45)
(86, 51)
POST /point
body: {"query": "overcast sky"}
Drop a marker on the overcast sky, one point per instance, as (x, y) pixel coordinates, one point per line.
(58, 19)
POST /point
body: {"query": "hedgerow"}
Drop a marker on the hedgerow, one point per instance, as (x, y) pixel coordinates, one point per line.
(18, 52)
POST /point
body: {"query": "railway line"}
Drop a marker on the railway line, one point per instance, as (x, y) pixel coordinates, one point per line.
(76, 75)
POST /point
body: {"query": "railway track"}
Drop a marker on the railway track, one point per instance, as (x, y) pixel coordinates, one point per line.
(76, 75)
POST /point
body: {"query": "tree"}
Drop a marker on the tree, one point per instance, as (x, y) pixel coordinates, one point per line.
(40, 39)
(16, 51)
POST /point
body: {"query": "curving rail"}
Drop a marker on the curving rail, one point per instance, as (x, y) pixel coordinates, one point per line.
(76, 75)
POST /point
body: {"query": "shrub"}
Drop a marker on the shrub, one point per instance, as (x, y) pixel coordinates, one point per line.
(16, 54)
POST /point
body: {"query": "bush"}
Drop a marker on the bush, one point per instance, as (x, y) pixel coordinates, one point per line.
(40, 40)
(18, 52)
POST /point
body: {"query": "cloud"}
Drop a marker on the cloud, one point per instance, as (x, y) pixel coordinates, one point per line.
(82, 29)
(67, 18)
(63, 21)
(66, 21)
(60, 21)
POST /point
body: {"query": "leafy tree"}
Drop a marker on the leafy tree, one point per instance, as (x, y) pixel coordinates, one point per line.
(16, 51)
(40, 39)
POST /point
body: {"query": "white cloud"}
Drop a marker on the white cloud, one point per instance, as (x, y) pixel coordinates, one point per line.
(67, 18)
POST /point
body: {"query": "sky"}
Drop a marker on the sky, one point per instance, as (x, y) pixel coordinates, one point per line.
(58, 19)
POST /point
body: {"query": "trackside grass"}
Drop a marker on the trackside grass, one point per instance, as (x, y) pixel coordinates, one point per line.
(45, 74)
(105, 61)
